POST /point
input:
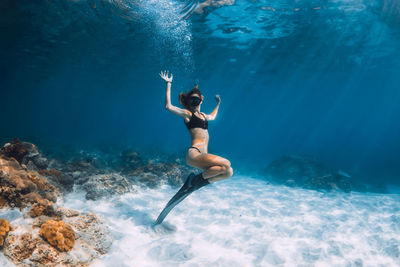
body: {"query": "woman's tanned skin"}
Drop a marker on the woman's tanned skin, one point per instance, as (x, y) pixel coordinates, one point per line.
(215, 167)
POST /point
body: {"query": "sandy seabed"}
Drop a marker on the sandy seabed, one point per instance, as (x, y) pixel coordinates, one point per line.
(245, 221)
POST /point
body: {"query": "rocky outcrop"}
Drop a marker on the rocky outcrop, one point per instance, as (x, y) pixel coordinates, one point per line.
(49, 235)
(91, 233)
(308, 173)
(129, 171)
(42, 208)
(20, 186)
(46, 236)
(62, 180)
(154, 174)
(50, 243)
(130, 160)
(4, 229)
(19, 247)
(104, 185)
(25, 153)
(66, 213)
(58, 234)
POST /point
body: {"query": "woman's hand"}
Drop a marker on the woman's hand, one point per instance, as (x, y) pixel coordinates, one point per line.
(164, 76)
(218, 98)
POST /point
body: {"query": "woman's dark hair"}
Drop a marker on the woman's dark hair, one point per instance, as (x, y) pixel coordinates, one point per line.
(184, 97)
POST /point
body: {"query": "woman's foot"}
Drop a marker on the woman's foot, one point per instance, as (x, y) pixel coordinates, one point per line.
(195, 181)
(188, 181)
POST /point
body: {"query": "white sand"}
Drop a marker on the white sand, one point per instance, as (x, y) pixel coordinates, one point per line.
(245, 221)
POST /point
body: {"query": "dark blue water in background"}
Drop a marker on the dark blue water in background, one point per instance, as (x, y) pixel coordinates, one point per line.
(320, 78)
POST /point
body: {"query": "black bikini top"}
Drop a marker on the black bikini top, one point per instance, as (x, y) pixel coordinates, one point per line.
(196, 122)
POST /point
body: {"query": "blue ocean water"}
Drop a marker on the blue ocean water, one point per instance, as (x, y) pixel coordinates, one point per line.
(302, 77)
(295, 77)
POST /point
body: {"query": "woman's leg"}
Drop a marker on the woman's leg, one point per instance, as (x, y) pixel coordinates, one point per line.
(220, 177)
(214, 171)
(215, 167)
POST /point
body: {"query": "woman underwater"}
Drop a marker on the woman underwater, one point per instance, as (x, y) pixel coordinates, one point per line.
(215, 168)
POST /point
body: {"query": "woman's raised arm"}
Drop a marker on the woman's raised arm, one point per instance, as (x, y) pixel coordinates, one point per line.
(213, 114)
(178, 111)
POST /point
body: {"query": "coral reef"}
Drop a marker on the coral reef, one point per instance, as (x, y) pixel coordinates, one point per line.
(25, 153)
(43, 208)
(58, 234)
(92, 232)
(60, 179)
(121, 173)
(20, 186)
(4, 229)
(154, 174)
(25, 246)
(45, 235)
(19, 247)
(49, 235)
(102, 185)
(130, 160)
(66, 212)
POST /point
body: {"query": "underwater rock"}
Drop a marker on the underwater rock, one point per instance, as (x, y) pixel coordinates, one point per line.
(15, 150)
(68, 237)
(19, 247)
(155, 174)
(61, 180)
(78, 172)
(308, 173)
(4, 229)
(39, 209)
(84, 166)
(25, 153)
(91, 230)
(58, 234)
(329, 181)
(146, 179)
(92, 162)
(19, 186)
(75, 241)
(102, 185)
(34, 197)
(130, 160)
(67, 212)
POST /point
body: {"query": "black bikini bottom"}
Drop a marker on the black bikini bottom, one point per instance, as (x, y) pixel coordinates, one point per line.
(195, 148)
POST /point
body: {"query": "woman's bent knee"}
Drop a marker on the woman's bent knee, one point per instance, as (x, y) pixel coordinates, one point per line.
(227, 164)
(230, 172)
(205, 161)
(225, 167)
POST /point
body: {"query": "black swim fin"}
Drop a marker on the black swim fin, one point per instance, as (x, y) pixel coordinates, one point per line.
(192, 183)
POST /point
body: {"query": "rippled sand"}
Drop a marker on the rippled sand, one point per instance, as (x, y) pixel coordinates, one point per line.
(245, 221)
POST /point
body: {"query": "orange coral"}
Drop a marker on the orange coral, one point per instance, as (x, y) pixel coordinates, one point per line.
(32, 197)
(39, 181)
(19, 186)
(58, 234)
(4, 228)
(39, 209)
(51, 172)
